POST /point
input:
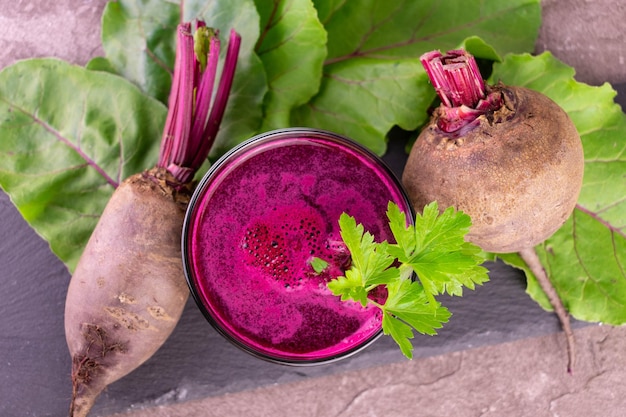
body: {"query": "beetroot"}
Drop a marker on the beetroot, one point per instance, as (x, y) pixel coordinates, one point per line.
(128, 290)
(507, 156)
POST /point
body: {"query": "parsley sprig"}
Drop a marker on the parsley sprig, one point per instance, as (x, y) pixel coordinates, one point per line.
(433, 250)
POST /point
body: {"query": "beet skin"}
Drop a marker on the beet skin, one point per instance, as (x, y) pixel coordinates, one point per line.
(128, 290)
(516, 171)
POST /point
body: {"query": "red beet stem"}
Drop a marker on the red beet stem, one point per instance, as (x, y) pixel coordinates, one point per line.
(221, 98)
(201, 144)
(460, 86)
(174, 114)
(191, 124)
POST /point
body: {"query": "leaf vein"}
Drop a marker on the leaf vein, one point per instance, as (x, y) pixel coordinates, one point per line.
(55, 133)
(589, 277)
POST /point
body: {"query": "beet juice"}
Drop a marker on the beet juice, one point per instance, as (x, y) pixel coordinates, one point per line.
(255, 222)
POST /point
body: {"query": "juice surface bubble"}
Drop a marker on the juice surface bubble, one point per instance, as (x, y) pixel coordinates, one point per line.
(284, 240)
(256, 222)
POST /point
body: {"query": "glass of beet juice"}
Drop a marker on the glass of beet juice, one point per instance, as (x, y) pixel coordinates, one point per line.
(259, 217)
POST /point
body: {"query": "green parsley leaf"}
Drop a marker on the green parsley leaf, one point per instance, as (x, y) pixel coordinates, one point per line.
(369, 259)
(408, 307)
(400, 332)
(407, 301)
(318, 264)
(433, 248)
(349, 287)
(436, 250)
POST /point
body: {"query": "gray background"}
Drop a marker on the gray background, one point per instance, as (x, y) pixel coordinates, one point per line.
(196, 362)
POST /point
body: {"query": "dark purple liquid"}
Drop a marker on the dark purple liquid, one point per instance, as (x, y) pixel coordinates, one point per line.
(256, 224)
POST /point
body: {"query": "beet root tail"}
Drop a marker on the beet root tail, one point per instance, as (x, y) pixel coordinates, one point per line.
(82, 400)
(532, 260)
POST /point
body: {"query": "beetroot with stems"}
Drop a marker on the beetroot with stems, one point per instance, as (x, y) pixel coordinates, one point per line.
(507, 156)
(128, 290)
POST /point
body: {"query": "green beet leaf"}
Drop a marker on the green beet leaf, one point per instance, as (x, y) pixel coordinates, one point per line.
(139, 39)
(364, 100)
(408, 28)
(292, 47)
(373, 79)
(100, 63)
(350, 67)
(68, 137)
(586, 258)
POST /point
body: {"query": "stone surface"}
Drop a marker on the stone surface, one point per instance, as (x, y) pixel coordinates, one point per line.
(503, 356)
(515, 379)
(66, 29)
(588, 35)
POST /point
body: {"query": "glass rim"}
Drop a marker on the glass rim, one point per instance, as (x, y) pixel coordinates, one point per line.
(196, 198)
